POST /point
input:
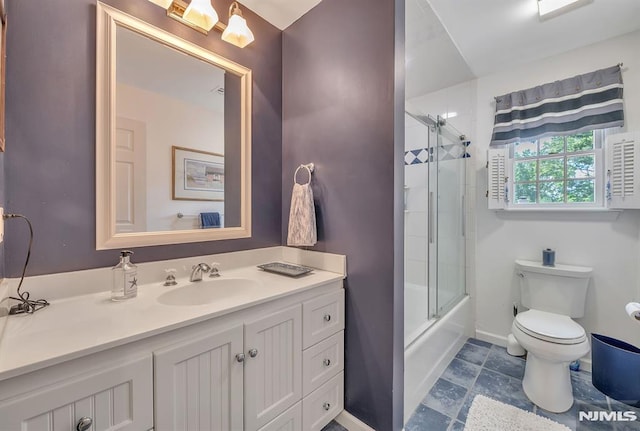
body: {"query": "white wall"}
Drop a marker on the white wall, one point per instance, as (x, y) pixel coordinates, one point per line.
(415, 223)
(191, 126)
(611, 247)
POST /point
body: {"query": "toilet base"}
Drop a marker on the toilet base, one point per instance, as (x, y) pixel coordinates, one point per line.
(548, 384)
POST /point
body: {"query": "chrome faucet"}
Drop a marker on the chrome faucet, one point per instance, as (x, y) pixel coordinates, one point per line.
(198, 270)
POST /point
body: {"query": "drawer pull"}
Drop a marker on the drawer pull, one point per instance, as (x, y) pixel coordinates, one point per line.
(327, 362)
(326, 406)
(84, 424)
(327, 317)
(240, 357)
(253, 353)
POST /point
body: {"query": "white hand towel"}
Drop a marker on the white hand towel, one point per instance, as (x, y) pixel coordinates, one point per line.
(302, 217)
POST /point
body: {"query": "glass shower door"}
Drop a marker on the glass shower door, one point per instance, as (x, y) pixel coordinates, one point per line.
(447, 180)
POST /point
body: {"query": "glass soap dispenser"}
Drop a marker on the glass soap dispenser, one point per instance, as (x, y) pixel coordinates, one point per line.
(125, 278)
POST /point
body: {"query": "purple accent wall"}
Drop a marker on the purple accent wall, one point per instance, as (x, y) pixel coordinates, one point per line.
(50, 157)
(2, 204)
(232, 153)
(343, 98)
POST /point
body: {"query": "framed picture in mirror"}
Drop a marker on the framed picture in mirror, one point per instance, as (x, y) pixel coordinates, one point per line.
(197, 175)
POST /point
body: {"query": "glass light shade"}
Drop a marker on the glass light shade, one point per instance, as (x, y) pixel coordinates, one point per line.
(162, 3)
(237, 32)
(201, 14)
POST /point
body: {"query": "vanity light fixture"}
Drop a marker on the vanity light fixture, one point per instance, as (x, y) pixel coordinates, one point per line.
(162, 3)
(201, 16)
(550, 8)
(237, 31)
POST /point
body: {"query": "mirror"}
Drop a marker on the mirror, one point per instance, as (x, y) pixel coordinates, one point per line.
(172, 138)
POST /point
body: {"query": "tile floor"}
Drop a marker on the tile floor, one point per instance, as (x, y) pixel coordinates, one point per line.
(484, 368)
(334, 426)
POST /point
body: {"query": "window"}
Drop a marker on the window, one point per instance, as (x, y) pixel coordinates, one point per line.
(557, 171)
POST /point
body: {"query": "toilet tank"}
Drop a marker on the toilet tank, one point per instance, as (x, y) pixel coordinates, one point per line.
(560, 289)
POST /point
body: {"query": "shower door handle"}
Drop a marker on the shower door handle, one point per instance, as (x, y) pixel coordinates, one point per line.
(464, 219)
(430, 215)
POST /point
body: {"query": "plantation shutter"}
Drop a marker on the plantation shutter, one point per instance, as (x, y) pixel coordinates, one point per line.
(623, 179)
(497, 178)
(573, 105)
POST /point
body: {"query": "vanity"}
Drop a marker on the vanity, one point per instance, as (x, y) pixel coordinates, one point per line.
(265, 357)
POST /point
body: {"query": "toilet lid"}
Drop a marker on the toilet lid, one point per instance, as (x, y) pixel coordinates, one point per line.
(551, 327)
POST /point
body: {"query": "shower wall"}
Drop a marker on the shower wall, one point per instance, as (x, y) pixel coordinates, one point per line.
(416, 218)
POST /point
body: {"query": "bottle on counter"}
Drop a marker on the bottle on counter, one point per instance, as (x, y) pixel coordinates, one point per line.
(125, 278)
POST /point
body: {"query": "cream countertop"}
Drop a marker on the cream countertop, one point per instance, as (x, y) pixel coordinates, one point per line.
(76, 326)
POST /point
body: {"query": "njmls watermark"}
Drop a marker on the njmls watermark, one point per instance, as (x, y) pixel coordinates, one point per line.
(603, 416)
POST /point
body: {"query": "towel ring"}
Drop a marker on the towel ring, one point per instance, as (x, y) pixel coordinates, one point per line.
(309, 168)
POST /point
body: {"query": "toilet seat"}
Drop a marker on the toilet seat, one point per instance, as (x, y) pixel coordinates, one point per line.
(550, 327)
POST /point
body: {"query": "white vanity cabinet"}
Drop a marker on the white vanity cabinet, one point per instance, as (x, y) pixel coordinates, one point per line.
(275, 366)
(251, 371)
(198, 383)
(115, 398)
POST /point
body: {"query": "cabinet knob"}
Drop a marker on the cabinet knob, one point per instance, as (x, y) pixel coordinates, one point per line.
(326, 406)
(253, 353)
(327, 362)
(327, 317)
(240, 357)
(84, 424)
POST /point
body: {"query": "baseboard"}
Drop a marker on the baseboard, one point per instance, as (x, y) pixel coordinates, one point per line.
(491, 338)
(351, 422)
(585, 362)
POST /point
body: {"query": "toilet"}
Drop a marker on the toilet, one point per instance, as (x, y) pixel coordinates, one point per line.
(553, 296)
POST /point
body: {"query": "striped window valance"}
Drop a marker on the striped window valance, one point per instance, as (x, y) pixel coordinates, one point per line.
(585, 102)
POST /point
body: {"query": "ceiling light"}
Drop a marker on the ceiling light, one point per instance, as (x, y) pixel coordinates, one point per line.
(201, 14)
(237, 31)
(449, 115)
(550, 8)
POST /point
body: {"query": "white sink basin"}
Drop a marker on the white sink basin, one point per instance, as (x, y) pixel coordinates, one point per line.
(208, 291)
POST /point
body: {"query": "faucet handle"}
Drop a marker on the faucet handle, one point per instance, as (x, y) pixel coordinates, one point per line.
(214, 272)
(171, 277)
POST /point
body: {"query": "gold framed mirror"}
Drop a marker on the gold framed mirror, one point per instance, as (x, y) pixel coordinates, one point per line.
(173, 138)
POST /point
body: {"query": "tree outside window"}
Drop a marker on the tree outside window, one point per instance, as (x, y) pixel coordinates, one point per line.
(556, 170)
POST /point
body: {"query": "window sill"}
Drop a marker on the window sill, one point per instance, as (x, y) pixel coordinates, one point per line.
(564, 209)
(560, 213)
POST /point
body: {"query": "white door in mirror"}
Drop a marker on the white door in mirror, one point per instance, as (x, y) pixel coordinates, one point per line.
(1, 224)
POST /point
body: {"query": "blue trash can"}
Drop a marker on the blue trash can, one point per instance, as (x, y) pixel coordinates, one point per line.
(616, 369)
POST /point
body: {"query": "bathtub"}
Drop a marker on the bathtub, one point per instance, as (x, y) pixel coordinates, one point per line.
(430, 353)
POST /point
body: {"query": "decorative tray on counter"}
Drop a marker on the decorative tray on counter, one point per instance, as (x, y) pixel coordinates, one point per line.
(285, 269)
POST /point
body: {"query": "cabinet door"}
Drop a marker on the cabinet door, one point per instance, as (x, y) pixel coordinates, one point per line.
(273, 368)
(198, 384)
(118, 398)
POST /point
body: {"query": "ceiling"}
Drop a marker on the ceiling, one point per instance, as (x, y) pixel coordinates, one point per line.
(281, 13)
(432, 59)
(152, 66)
(493, 34)
(452, 41)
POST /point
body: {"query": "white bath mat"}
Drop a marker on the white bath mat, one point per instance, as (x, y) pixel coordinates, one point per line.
(486, 414)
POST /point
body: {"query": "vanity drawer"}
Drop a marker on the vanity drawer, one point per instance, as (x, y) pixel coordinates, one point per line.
(116, 398)
(322, 361)
(322, 317)
(291, 420)
(323, 404)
